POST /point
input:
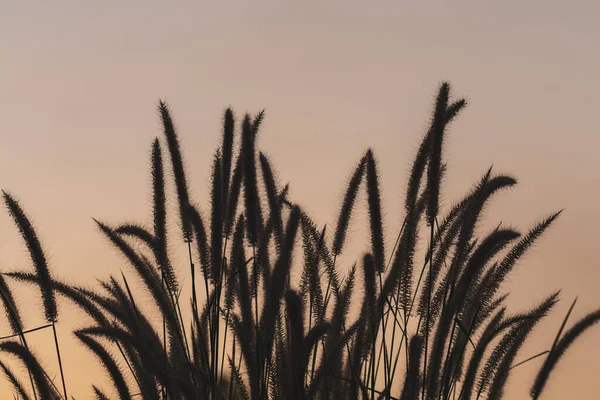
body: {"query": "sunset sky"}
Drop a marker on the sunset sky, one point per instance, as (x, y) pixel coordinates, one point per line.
(80, 82)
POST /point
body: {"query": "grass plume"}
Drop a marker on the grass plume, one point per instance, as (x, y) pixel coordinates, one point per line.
(373, 328)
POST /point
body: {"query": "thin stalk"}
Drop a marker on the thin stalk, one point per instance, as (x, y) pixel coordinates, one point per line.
(383, 345)
(210, 327)
(446, 366)
(62, 376)
(164, 324)
(407, 315)
(193, 272)
(387, 375)
(393, 371)
(368, 370)
(195, 300)
(310, 307)
(130, 367)
(27, 331)
(184, 340)
(24, 343)
(373, 364)
(327, 294)
(231, 380)
(255, 278)
(218, 289)
(227, 313)
(529, 359)
(224, 345)
(428, 311)
(387, 315)
(215, 323)
(181, 334)
(454, 375)
(314, 357)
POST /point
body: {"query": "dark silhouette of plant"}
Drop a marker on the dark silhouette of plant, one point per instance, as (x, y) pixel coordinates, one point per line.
(560, 347)
(257, 333)
(43, 274)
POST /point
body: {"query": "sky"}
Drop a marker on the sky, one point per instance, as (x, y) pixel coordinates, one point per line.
(80, 82)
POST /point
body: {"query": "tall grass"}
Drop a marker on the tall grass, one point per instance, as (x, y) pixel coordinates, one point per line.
(441, 331)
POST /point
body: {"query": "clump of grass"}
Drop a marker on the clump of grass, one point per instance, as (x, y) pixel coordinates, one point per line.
(256, 333)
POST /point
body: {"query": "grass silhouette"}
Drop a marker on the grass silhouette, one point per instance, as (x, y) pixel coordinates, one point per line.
(445, 335)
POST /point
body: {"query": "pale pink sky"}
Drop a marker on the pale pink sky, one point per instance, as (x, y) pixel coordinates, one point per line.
(80, 81)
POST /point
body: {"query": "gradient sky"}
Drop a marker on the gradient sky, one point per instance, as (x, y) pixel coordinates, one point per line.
(80, 81)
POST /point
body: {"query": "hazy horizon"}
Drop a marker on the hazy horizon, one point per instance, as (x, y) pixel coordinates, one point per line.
(81, 83)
